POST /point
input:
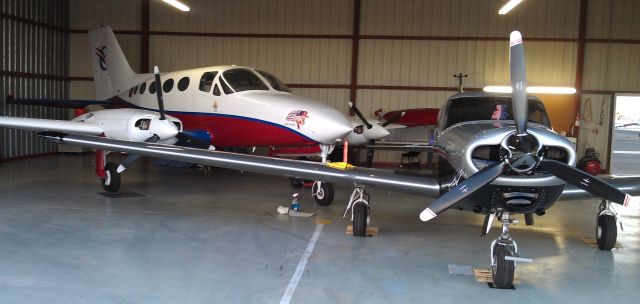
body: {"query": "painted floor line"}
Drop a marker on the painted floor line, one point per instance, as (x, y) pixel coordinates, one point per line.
(295, 279)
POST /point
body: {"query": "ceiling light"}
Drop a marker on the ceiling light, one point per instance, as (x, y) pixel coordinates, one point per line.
(177, 4)
(532, 90)
(508, 7)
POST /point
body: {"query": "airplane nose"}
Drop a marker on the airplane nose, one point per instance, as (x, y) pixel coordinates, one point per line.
(331, 126)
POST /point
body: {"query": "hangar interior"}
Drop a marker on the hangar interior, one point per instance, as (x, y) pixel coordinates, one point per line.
(213, 236)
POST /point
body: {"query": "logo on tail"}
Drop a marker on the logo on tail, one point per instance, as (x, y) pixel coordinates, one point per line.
(101, 57)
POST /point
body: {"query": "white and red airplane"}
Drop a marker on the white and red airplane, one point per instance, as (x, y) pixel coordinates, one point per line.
(225, 106)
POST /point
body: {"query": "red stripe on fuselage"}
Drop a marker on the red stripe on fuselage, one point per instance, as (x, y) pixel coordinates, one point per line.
(229, 131)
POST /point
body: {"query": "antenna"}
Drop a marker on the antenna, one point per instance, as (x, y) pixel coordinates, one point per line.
(460, 76)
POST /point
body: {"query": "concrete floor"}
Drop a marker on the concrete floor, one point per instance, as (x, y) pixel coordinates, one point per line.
(214, 237)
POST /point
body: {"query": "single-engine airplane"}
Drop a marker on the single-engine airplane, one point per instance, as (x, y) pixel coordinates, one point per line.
(504, 160)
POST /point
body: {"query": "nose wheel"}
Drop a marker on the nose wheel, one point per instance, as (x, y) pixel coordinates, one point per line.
(607, 227)
(504, 255)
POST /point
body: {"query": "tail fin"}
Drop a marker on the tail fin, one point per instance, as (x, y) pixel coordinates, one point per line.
(112, 73)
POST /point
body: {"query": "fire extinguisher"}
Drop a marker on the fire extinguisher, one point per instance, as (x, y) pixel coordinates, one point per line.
(576, 126)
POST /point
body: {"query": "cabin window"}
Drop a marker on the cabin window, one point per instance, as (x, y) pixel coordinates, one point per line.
(152, 87)
(491, 108)
(275, 83)
(244, 80)
(183, 83)
(225, 87)
(131, 92)
(216, 90)
(135, 90)
(167, 85)
(143, 86)
(206, 81)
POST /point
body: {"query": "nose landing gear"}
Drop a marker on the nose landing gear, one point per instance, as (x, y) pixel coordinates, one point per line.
(504, 254)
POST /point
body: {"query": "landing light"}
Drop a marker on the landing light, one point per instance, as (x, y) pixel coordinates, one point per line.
(508, 6)
(177, 4)
(532, 90)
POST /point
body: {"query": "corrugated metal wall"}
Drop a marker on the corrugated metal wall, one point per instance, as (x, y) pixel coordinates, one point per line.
(403, 43)
(33, 62)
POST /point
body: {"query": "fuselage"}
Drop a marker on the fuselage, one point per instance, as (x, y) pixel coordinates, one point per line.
(240, 107)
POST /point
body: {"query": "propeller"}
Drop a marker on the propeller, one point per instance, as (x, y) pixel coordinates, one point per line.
(394, 118)
(156, 73)
(355, 110)
(522, 152)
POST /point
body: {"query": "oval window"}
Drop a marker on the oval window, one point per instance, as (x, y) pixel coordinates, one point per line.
(167, 85)
(152, 88)
(143, 87)
(183, 83)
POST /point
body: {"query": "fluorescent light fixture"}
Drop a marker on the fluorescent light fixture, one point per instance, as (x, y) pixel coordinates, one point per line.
(177, 4)
(532, 90)
(509, 6)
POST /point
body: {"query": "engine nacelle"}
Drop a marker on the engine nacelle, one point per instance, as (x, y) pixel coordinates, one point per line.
(134, 125)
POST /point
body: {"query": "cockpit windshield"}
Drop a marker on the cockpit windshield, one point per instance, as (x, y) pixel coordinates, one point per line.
(275, 83)
(244, 80)
(491, 108)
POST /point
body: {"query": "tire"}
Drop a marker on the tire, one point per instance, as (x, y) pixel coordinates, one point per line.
(360, 219)
(296, 182)
(502, 272)
(113, 178)
(606, 232)
(324, 195)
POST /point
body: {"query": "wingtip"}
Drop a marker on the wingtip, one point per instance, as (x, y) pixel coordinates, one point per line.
(427, 215)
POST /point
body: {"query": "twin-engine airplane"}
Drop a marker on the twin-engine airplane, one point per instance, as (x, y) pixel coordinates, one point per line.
(504, 160)
(225, 106)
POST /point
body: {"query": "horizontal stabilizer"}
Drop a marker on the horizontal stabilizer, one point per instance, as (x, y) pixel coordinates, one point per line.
(57, 103)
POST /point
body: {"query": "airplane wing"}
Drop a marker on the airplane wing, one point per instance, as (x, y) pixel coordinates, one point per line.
(413, 117)
(34, 124)
(373, 178)
(628, 184)
(58, 103)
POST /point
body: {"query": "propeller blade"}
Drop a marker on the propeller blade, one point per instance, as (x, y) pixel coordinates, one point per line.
(191, 141)
(462, 190)
(156, 72)
(394, 118)
(518, 72)
(585, 181)
(355, 110)
(132, 158)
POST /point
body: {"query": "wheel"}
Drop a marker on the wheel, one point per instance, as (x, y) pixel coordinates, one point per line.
(296, 182)
(112, 182)
(503, 270)
(606, 232)
(360, 219)
(324, 195)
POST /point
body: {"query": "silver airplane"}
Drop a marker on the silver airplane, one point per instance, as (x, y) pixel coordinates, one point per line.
(502, 158)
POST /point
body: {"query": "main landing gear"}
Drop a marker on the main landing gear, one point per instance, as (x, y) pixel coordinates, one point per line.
(360, 212)
(322, 193)
(111, 183)
(504, 254)
(607, 227)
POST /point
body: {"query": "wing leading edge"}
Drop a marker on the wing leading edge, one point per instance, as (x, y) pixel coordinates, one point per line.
(379, 179)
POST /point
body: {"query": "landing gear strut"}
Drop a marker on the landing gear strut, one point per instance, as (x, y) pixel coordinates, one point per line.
(360, 212)
(504, 254)
(607, 229)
